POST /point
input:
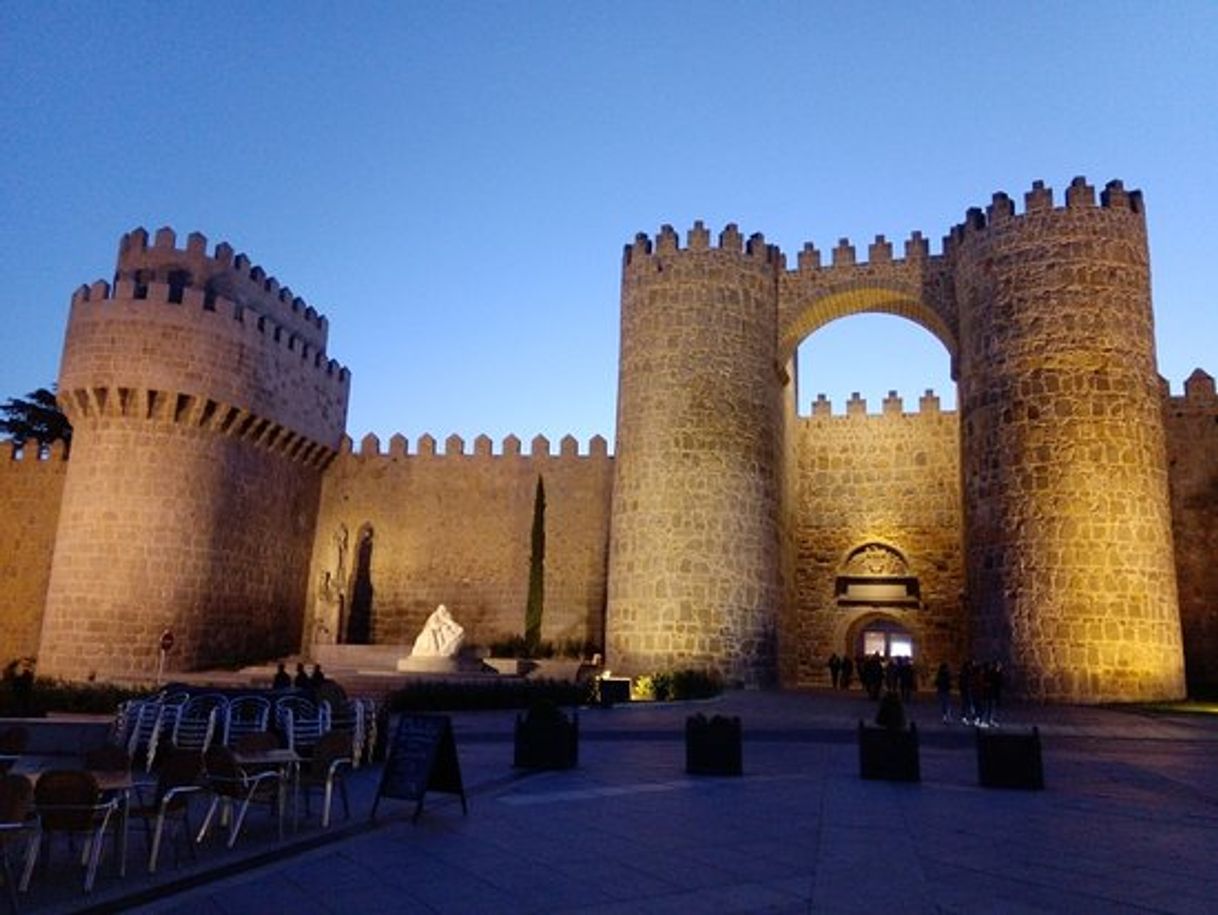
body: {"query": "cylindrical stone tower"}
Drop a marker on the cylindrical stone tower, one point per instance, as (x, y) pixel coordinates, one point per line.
(1070, 567)
(203, 408)
(694, 574)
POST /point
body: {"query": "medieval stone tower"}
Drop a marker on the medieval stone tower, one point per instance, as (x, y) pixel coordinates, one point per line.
(1068, 565)
(204, 408)
(694, 573)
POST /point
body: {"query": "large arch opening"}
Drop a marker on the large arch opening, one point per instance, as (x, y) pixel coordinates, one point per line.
(872, 355)
(873, 477)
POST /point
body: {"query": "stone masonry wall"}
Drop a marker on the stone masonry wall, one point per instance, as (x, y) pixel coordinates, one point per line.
(893, 479)
(201, 426)
(30, 493)
(455, 529)
(1192, 453)
(171, 526)
(695, 564)
(1070, 561)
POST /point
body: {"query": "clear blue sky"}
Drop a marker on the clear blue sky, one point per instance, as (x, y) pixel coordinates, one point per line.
(452, 183)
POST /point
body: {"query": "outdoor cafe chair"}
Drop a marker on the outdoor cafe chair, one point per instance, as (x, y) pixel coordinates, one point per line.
(246, 715)
(196, 723)
(179, 777)
(71, 801)
(348, 716)
(13, 741)
(17, 822)
(331, 760)
(133, 725)
(231, 783)
(169, 708)
(302, 722)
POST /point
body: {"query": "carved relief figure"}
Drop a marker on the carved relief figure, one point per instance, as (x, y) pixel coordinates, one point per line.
(331, 599)
(876, 559)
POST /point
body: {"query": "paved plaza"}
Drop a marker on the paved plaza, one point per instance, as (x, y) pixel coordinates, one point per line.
(1127, 823)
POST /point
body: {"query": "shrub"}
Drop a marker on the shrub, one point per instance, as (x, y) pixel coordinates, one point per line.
(695, 684)
(517, 646)
(891, 714)
(62, 696)
(663, 686)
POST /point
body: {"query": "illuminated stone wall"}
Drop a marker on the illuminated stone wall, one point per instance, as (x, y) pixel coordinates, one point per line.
(209, 481)
(893, 479)
(203, 410)
(30, 493)
(695, 568)
(1068, 538)
(454, 528)
(1192, 450)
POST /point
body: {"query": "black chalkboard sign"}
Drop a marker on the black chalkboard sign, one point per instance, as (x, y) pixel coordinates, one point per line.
(422, 758)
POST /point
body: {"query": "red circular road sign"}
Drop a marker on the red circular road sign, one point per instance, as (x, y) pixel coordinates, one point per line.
(167, 640)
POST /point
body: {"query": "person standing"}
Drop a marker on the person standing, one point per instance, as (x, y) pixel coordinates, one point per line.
(282, 679)
(943, 689)
(847, 672)
(994, 691)
(835, 669)
(906, 679)
(966, 691)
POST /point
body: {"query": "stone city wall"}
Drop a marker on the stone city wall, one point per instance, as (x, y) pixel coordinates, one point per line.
(31, 487)
(1070, 561)
(454, 529)
(200, 429)
(890, 479)
(1191, 421)
(695, 566)
(210, 538)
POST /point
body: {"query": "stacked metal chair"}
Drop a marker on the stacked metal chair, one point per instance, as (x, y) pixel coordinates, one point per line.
(245, 715)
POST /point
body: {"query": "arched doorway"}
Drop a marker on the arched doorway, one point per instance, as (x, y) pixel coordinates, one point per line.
(882, 635)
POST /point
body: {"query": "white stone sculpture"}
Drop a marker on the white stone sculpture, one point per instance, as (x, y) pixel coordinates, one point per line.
(441, 637)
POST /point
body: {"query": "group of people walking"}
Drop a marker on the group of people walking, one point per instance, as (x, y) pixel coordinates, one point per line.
(978, 684)
(980, 689)
(897, 675)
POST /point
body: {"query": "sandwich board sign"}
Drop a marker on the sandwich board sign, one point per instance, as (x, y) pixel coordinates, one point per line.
(422, 757)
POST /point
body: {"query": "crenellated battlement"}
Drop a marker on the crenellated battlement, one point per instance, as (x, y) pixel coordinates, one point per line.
(893, 406)
(1038, 204)
(220, 274)
(256, 326)
(698, 239)
(1199, 396)
(483, 447)
(18, 456)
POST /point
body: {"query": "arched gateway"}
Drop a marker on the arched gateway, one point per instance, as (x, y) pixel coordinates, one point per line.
(1059, 449)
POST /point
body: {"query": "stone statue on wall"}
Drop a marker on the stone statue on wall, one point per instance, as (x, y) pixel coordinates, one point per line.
(331, 594)
(442, 636)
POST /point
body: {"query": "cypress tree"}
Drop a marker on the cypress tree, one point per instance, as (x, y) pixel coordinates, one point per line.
(537, 571)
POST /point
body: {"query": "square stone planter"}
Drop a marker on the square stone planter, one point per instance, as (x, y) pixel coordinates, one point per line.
(1008, 759)
(889, 755)
(613, 690)
(543, 743)
(714, 746)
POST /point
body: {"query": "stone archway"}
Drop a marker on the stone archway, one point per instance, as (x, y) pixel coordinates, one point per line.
(804, 311)
(879, 631)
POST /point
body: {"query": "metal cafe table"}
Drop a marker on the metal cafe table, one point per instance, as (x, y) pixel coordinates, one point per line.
(287, 763)
(114, 784)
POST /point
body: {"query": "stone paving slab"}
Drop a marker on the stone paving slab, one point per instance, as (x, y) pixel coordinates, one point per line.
(1127, 824)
